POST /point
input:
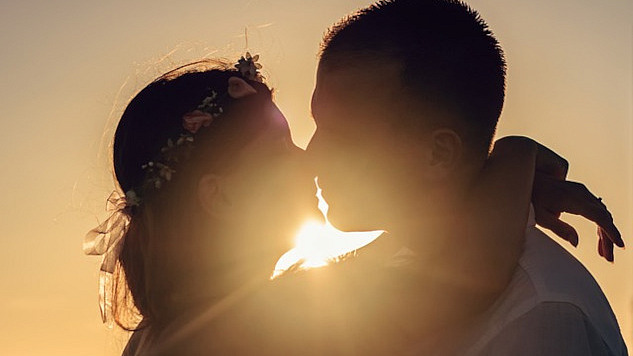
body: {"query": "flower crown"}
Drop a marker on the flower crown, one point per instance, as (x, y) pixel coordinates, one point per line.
(107, 238)
(161, 170)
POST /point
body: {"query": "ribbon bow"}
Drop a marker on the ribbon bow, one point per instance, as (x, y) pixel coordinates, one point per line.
(107, 240)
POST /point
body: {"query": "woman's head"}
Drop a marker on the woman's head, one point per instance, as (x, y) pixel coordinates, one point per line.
(214, 185)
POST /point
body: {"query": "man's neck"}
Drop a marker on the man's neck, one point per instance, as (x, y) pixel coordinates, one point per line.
(427, 223)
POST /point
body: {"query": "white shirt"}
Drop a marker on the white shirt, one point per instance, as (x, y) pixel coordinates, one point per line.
(552, 306)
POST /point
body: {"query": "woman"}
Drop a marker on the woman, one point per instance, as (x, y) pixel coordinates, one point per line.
(200, 152)
(214, 191)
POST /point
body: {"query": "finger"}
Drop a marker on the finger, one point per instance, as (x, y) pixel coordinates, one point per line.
(601, 202)
(607, 246)
(608, 228)
(602, 242)
(552, 222)
(600, 249)
(612, 233)
(584, 203)
(580, 201)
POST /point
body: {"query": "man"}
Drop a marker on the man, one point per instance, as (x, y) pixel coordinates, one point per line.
(406, 103)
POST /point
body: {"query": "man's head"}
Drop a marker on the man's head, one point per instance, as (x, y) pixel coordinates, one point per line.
(407, 99)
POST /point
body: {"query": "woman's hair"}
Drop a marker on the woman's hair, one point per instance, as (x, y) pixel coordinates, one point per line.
(159, 264)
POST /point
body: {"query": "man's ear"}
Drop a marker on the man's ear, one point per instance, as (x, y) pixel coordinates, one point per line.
(446, 150)
(212, 197)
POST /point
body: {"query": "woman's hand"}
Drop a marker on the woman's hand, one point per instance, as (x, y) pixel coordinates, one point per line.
(552, 196)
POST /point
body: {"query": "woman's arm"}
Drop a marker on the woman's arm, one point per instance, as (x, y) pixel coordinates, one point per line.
(553, 195)
(497, 210)
(445, 290)
(495, 218)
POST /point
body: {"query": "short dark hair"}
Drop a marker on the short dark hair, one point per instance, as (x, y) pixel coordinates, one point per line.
(450, 59)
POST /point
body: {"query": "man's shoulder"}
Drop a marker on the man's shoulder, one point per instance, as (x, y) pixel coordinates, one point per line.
(557, 276)
(550, 328)
(549, 277)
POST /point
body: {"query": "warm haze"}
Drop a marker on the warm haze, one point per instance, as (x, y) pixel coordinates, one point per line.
(69, 68)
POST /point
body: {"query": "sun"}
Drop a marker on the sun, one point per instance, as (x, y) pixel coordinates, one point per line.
(317, 244)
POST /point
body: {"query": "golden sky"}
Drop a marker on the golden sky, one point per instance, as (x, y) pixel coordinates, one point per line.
(69, 67)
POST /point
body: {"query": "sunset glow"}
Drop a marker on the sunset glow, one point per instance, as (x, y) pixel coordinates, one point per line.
(317, 244)
(71, 67)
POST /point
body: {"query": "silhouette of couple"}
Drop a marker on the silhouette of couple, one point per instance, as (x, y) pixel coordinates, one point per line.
(406, 103)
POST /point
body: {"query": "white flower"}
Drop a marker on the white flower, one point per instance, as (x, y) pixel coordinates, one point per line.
(164, 171)
(131, 198)
(249, 68)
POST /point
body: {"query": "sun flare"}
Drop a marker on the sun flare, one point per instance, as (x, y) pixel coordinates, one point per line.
(317, 244)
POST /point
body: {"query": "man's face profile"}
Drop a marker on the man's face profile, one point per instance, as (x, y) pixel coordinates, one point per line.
(362, 159)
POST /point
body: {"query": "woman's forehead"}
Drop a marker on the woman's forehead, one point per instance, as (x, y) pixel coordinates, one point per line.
(272, 126)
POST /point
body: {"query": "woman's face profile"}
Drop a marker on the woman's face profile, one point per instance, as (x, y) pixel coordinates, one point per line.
(270, 190)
